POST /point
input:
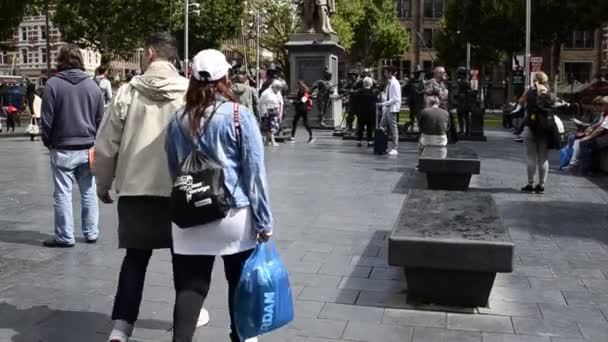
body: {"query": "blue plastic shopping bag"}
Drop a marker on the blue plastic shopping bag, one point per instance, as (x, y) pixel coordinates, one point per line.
(263, 300)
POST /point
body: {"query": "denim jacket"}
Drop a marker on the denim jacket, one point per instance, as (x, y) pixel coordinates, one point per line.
(244, 171)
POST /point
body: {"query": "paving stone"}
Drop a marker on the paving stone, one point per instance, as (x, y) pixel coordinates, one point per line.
(557, 283)
(492, 337)
(522, 295)
(442, 335)
(314, 280)
(377, 333)
(538, 327)
(596, 285)
(585, 298)
(415, 318)
(594, 331)
(485, 323)
(351, 313)
(571, 313)
(346, 270)
(498, 307)
(363, 284)
(383, 299)
(342, 296)
(311, 327)
(508, 280)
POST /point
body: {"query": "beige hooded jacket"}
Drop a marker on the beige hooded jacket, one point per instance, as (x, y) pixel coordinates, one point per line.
(130, 147)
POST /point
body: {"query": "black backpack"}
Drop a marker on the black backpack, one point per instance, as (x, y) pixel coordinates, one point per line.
(199, 194)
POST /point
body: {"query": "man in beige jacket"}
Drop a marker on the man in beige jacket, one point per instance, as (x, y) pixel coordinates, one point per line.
(130, 154)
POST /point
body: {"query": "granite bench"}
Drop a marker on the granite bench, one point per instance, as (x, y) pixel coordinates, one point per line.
(449, 168)
(451, 244)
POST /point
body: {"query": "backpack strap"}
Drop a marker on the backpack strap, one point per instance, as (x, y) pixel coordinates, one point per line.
(236, 119)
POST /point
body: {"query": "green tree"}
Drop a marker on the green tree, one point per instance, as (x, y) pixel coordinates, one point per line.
(217, 22)
(113, 27)
(349, 14)
(379, 34)
(13, 12)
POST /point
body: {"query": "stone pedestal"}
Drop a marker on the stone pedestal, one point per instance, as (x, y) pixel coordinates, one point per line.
(309, 55)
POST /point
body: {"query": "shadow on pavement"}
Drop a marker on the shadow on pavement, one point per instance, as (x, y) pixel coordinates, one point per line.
(41, 323)
(24, 237)
(557, 218)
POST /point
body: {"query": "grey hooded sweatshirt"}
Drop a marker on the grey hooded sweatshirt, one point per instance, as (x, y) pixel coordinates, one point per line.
(72, 109)
(130, 146)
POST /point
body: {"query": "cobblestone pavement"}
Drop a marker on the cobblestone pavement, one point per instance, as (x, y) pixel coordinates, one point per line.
(335, 205)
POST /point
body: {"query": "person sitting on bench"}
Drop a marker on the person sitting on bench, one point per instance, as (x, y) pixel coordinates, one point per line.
(434, 125)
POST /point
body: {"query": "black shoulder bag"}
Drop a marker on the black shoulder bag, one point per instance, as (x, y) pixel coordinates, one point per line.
(199, 194)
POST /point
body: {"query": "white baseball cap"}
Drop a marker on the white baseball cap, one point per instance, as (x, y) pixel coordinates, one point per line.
(210, 66)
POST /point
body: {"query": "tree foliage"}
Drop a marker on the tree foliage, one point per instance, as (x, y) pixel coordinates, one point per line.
(496, 28)
(217, 22)
(349, 14)
(113, 27)
(379, 33)
(13, 12)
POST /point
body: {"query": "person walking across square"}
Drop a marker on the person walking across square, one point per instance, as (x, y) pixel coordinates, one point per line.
(72, 110)
(391, 107)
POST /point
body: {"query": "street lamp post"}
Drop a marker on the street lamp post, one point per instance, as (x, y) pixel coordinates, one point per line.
(257, 50)
(528, 33)
(48, 41)
(186, 11)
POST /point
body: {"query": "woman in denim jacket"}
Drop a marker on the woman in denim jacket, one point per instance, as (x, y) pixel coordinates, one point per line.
(249, 219)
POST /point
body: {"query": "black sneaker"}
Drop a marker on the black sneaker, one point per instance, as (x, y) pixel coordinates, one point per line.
(539, 189)
(528, 188)
(52, 243)
(359, 144)
(370, 144)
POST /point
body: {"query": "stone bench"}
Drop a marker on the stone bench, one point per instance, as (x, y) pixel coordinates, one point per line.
(449, 168)
(451, 244)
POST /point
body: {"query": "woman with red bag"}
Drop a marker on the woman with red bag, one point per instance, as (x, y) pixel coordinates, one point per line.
(303, 104)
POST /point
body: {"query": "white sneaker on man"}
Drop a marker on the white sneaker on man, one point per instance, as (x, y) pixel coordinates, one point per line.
(203, 318)
(253, 339)
(393, 152)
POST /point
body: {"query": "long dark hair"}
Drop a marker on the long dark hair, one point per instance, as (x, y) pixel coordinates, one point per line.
(201, 95)
(303, 87)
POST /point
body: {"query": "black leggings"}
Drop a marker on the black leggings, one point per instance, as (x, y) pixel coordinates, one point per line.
(192, 278)
(304, 115)
(131, 285)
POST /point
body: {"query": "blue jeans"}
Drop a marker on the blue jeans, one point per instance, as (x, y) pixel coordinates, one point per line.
(68, 166)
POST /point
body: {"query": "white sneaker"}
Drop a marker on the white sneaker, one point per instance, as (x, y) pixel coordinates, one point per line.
(203, 318)
(253, 339)
(393, 152)
(276, 145)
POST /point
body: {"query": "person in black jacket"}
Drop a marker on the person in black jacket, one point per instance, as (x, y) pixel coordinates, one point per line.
(367, 99)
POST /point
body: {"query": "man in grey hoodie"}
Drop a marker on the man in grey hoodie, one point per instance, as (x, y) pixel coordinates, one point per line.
(72, 109)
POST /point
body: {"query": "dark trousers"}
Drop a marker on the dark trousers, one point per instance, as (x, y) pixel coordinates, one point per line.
(131, 285)
(350, 120)
(11, 119)
(464, 120)
(366, 124)
(304, 115)
(192, 277)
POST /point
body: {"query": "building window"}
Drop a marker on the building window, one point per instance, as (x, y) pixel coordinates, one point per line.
(427, 34)
(407, 69)
(24, 56)
(404, 8)
(433, 8)
(581, 39)
(24, 33)
(580, 71)
(43, 54)
(43, 32)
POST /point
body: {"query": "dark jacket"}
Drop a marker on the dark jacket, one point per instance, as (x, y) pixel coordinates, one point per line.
(367, 99)
(72, 109)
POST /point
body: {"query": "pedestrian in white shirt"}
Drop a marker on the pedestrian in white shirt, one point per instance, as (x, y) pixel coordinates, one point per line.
(271, 110)
(391, 107)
